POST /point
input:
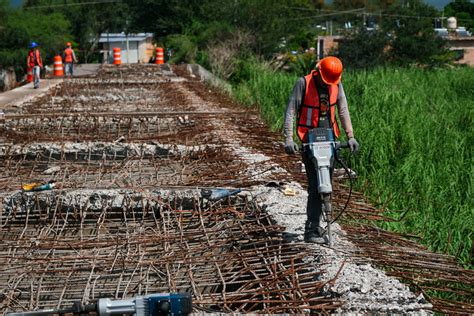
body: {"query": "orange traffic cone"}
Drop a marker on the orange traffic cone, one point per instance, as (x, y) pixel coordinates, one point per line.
(117, 57)
(58, 66)
(29, 74)
(160, 56)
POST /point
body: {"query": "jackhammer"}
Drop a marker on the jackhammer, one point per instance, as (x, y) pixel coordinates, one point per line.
(149, 305)
(323, 151)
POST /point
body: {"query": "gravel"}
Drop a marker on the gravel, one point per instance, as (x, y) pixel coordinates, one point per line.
(363, 287)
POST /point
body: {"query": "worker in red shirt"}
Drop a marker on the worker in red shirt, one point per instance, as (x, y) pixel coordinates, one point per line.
(35, 62)
(69, 58)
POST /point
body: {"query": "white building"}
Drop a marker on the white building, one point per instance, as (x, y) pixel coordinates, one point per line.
(135, 48)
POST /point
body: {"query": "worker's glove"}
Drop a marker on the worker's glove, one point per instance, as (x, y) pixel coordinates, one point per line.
(291, 147)
(353, 145)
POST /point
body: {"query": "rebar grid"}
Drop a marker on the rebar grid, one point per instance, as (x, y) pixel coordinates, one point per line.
(402, 256)
(134, 71)
(110, 165)
(99, 127)
(79, 247)
(416, 265)
(99, 95)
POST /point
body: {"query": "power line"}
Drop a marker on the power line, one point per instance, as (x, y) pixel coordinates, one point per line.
(357, 11)
(368, 13)
(71, 4)
(327, 14)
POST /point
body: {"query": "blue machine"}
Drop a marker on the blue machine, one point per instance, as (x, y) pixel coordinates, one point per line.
(150, 305)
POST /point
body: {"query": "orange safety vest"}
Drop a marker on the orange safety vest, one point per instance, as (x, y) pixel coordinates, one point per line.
(35, 60)
(68, 55)
(308, 115)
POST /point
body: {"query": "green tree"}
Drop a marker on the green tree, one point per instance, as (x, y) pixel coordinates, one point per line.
(3, 10)
(463, 10)
(413, 39)
(268, 20)
(21, 27)
(363, 49)
(87, 21)
(405, 37)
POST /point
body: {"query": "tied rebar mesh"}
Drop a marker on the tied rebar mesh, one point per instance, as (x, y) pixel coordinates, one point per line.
(448, 286)
(61, 248)
(136, 117)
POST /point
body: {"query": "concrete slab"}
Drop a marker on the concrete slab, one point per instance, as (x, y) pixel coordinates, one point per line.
(86, 69)
(15, 97)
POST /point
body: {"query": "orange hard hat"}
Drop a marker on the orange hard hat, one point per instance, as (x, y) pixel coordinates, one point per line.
(68, 44)
(330, 69)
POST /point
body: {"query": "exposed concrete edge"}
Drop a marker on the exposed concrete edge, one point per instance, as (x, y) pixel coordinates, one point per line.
(207, 76)
(15, 97)
(21, 94)
(102, 149)
(94, 199)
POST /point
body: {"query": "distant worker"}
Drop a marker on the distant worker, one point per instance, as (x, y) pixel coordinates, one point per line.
(35, 62)
(69, 58)
(313, 102)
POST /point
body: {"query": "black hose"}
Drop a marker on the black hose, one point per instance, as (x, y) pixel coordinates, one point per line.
(343, 164)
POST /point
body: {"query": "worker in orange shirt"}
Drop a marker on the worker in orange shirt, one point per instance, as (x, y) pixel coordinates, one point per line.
(35, 62)
(313, 102)
(69, 58)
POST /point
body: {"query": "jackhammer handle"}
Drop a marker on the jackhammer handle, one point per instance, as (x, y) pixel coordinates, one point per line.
(342, 145)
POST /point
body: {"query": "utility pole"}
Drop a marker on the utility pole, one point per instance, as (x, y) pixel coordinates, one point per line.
(364, 17)
(107, 56)
(126, 40)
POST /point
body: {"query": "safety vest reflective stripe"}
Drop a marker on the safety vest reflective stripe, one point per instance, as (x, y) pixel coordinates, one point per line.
(308, 116)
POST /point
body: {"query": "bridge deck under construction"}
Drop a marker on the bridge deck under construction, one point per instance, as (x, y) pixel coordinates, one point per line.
(130, 152)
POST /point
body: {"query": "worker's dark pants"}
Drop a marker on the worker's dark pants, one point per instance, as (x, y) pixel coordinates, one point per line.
(314, 205)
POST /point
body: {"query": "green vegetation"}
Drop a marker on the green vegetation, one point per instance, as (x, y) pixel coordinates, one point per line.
(463, 10)
(401, 39)
(204, 30)
(416, 133)
(18, 28)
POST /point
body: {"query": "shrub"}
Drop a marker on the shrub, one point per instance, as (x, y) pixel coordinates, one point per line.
(224, 55)
(363, 49)
(184, 48)
(20, 28)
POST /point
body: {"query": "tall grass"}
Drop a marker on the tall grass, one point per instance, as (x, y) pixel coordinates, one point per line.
(415, 128)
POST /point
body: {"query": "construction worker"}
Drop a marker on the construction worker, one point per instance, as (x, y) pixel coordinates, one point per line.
(313, 103)
(35, 62)
(69, 58)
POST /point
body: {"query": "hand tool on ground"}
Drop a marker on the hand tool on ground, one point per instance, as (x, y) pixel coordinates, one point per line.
(218, 194)
(150, 305)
